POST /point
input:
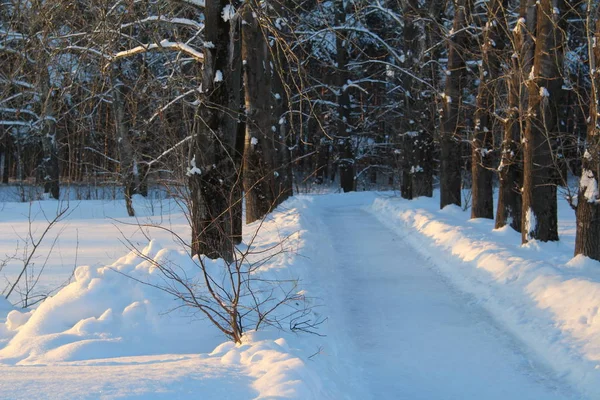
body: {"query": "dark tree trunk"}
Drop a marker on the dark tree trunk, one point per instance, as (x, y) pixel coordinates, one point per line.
(587, 238)
(4, 158)
(451, 130)
(344, 141)
(433, 19)
(49, 168)
(258, 149)
(492, 49)
(237, 125)
(143, 171)
(409, 104)
(417, 159)
(280, 116)
(212, 170)
(510, 172)
(123, 140)
(280, 127)
(539, 219)
(322, 160)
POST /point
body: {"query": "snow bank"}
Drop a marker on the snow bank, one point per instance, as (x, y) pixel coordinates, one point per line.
(277, 373)
(108, 312)
(550, 305)
(116, 311)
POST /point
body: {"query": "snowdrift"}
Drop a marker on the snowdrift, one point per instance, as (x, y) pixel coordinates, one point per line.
(116, 311)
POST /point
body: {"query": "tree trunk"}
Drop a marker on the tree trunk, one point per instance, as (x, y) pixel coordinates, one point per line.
(279, 127)
(49, 168)
(410, 100)
(3, 159)
(539, 219)
(212, 169)
(344, 141)
(451, 135)
(237, 125)
(587, 238)
(258, 149)
(123, 140)
(510, 173)
(482, 174)
(417, 169)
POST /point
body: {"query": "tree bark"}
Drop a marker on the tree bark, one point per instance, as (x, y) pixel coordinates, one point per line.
(280, 122)
(539, 219)
(258, 148)
(451, 129)
(212, 169)
(587, 238)
(123, 140)
(510, 172)
(416, 140)
(344, 141)
(236, 124)
(49, 167)
(492, 49)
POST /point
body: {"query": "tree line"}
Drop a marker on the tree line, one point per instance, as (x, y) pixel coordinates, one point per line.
(243, 101)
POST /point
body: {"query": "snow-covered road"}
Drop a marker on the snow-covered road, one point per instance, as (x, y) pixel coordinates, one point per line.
(408, 334)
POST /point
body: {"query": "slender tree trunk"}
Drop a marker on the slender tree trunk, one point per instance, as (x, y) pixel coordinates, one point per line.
(587, 238)
(492, 49)
(212, 168)
(280, 125)
(510, 173)
(236, 124)
(49, 167)
(539, 219)
(258, 149)
(3, 159)
(409, 104)
(346, 161)
(417, 159)
(123, 140)
(451, 129)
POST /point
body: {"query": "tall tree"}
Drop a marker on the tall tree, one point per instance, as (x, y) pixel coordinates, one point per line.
(492, 52)
(510, 173)
(587, 239)
(124, 145)
(544, 87)
(259, 171)
(451, 127)
(343, 137)
(417, 170)
(212, 168)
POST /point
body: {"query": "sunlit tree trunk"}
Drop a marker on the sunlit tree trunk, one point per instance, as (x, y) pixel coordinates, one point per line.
(587, 239)
(544, 84)
(510, 172)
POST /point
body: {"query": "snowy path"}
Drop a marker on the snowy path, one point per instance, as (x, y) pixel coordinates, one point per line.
(409, 335)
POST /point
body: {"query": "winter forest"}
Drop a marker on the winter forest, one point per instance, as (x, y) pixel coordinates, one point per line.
(236, 131)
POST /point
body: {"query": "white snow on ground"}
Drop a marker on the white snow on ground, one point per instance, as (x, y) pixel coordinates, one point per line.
(108, 322)
(419, 304)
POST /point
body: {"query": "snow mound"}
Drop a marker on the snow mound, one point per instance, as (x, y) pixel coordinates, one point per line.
(115, 317)
(108, 312)
(277, 373)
